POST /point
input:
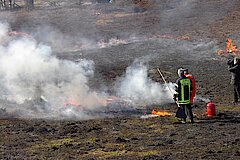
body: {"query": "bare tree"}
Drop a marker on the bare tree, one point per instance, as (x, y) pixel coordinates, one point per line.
(12, 4)
(1, 4)
(4, 4)
(8, 4)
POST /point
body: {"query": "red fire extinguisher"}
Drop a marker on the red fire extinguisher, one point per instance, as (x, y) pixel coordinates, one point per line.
(211, 109)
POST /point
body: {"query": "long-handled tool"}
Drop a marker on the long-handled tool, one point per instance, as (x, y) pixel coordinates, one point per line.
(166, 84)
(180, 112)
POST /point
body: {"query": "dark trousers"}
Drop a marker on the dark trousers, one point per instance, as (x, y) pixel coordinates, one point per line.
(188, 111)
(236, 88)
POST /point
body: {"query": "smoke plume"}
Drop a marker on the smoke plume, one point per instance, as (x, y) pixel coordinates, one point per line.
(140, 89)
(36, 84)
(30, 73)
(55, 38)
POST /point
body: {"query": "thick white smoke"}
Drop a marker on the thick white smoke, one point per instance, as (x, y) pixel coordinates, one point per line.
(41, 85)
(29, 72)
(140, 89)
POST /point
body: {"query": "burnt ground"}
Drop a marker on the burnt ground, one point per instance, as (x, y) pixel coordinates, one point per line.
(207, 23)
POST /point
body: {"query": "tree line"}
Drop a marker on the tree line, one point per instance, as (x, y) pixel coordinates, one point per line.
(12, 4)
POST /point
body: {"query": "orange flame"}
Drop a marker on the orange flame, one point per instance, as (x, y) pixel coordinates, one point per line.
(184, 37)
(161, 113)
(230, 48)
(219, 52)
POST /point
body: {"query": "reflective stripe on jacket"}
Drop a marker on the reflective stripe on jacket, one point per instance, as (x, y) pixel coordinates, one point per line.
(184, 87)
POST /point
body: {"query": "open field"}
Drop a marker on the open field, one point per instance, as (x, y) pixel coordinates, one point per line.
(121, 38)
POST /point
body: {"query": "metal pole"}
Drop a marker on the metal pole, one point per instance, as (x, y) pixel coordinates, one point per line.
(166, 84)
(164, 80)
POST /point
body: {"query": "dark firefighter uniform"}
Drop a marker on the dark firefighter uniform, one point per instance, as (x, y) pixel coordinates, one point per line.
(234, 68)
(183, 95)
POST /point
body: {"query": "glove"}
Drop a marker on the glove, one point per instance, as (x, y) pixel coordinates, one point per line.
(174, 97)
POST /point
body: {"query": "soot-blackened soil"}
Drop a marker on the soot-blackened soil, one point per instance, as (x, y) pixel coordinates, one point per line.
(206, 23)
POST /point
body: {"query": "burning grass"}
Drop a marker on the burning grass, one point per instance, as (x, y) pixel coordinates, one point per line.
(129, 138)
(230, 48)
(161, 113)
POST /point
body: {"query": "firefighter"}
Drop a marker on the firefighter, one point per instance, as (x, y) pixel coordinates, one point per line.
(234, 68)
(190, 76)
(182, 96)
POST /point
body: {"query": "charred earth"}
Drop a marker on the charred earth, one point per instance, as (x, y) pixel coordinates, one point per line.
(115, 40)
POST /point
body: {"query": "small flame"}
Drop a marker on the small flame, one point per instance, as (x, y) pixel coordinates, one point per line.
(161, 113)
(229, 49)
(219, 52)
(103, 102)
(20, 34)
(184, 37)
(72, 102)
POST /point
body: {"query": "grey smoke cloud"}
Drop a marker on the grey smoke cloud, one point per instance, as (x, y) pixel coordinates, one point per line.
(28, 70)
(60, 42)
(3, 32)
(41, 85)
